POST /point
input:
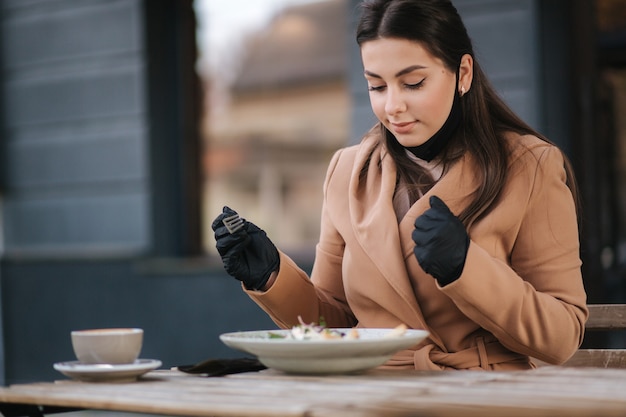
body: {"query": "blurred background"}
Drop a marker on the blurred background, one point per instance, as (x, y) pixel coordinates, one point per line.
(128, 124)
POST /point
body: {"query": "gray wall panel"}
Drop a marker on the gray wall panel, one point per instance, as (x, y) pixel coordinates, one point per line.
(90, 225)
(505, 36)
(74, 98)
(72, 31)
(364, 120)
(523, 103)
(75, 128)
(111, 157)
(497, 40)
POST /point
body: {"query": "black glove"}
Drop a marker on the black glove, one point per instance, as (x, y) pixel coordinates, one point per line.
(247, 254)
(441, 242)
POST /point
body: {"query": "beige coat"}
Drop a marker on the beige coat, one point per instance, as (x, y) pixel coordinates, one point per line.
(520, 294)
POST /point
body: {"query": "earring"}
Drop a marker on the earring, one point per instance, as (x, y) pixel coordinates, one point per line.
(462, 91)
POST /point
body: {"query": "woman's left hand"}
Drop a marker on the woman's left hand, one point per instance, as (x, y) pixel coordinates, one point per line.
(441, 242)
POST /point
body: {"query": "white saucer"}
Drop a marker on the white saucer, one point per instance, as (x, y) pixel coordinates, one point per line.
(106, 372)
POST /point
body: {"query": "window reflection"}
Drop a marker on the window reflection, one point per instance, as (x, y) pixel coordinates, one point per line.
(269, 136)
(610, 138)
(611, 15)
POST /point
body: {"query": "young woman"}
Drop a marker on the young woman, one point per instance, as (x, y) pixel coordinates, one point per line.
(451, 215)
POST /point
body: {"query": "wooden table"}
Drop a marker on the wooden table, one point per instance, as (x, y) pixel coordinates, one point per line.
(549, 391)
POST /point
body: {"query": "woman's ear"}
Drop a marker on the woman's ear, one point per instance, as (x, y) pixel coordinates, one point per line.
(466, 74)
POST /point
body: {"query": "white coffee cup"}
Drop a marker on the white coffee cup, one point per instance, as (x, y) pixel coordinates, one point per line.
(107, 346)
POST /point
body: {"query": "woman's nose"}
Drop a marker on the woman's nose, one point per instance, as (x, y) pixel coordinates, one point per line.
(395, 103)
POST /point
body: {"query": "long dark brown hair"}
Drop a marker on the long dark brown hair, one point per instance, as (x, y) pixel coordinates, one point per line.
(438, 27)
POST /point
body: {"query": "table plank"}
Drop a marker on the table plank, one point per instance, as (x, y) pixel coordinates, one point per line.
(544, 392)
(576, 392)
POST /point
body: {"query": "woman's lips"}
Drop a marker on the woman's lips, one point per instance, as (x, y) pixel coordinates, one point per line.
(403, 127)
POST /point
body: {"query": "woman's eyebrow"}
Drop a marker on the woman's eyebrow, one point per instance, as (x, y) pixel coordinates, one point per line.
(371, 74)
(409, 69)
(399, 73)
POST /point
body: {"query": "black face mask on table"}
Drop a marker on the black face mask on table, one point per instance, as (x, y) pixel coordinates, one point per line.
(428, 150)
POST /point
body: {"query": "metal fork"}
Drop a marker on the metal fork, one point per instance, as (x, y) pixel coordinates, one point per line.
(233, 223)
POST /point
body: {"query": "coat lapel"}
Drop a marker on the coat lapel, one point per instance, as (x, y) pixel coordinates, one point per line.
(375, 225)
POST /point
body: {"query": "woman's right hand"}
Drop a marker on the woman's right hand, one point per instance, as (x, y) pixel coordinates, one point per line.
(248, 254)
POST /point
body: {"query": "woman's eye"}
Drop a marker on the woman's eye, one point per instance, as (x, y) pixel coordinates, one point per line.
(376, 87)
(414, 86)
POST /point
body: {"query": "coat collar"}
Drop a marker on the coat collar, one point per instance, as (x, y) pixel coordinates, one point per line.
(389, 245)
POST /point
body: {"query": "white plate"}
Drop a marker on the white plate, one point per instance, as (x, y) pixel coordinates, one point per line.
(106, 372)
(371, 349)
